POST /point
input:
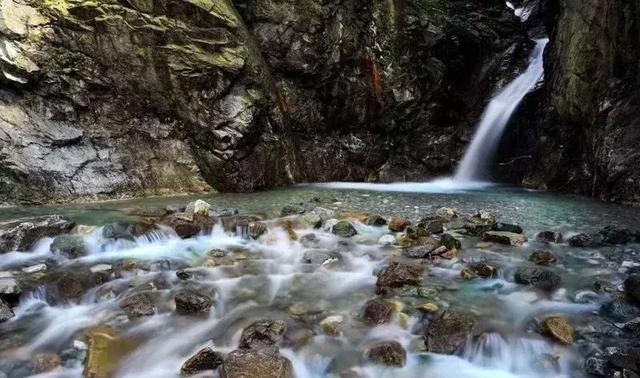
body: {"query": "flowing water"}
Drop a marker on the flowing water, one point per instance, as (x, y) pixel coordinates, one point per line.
(267, 279)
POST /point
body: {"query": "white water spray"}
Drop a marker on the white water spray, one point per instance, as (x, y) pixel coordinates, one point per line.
(478, 156)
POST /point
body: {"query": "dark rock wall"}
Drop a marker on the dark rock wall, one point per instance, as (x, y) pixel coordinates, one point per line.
(580, 133)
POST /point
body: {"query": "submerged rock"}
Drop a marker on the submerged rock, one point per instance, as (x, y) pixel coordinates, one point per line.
(377, 311)
(190, 301)
(502, 237)
(549, 237)
(543, 258)
(389, 353)
(262, 334)
(545, 280)
(205, 359)
(22, 234)
(344, 229)
(449, 333)
(398, 224)
(398, 275)
(70, 246)
(246, 363)
(557, 327)
(137, 305)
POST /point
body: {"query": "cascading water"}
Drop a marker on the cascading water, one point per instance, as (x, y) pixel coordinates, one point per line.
(474, 166)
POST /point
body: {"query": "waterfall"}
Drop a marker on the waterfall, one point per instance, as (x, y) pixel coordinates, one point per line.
(479, 154)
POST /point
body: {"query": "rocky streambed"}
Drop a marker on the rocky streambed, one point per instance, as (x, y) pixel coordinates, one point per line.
(335, 284)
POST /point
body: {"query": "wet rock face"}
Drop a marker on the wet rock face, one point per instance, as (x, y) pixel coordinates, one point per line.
(448, 333)
(23, 233)
(197, 92)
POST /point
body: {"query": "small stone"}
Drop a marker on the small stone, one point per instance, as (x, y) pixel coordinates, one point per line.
(344, 229)
(543, 258)
(377, 311)
(190, 301)
(501, 237)
(376, 220)
(549, 237)
(558, 327)
(448, 214)
(45, 362)
(389, 353)
(398, 275)
(427, 308)
(204, 359)
(398, 224)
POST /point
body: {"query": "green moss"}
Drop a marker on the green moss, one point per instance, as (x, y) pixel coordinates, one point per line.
(190, 58)
(220, 9)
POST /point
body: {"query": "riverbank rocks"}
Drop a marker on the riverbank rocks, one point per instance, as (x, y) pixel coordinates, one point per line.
(69, 246)
(558, 328)
(448, 333)
(262, 334)
(6, 312)
(632, 287)
(266, 363)
(503, 237)
(541, 279)
(22, 234)
(137, 305)
(205, 359)
(377, 311)
(549, 237)
(191, 301)
(543, 258)
(398, 224)
(399, 274)
(344, 229)
(389, 353)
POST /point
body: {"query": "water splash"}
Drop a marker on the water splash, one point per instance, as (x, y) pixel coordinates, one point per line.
(478, 156)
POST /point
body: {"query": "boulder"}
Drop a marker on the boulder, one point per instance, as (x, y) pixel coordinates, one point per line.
(262, 334)
(257, 229)
(183, 224)
(70, 284)
(389, 353)
(448, 333)
(292, 209)
(558, 328)
(319, 256)
(508, 227)
(398, 224)
(543, 258)
(377, 311)
(549, 237)
(398, 275)
(376, 220)
(502, 237)
(137, 305)
(344, 229)
(69, 246)
(541, 279)
(198, 207)
(585, 241)
(432, 224)
(246, 363)
(107, 348)
(22, 234)
(190, 301)
(5, 311)
(632, 287)
(204, 359)
(421, 251)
